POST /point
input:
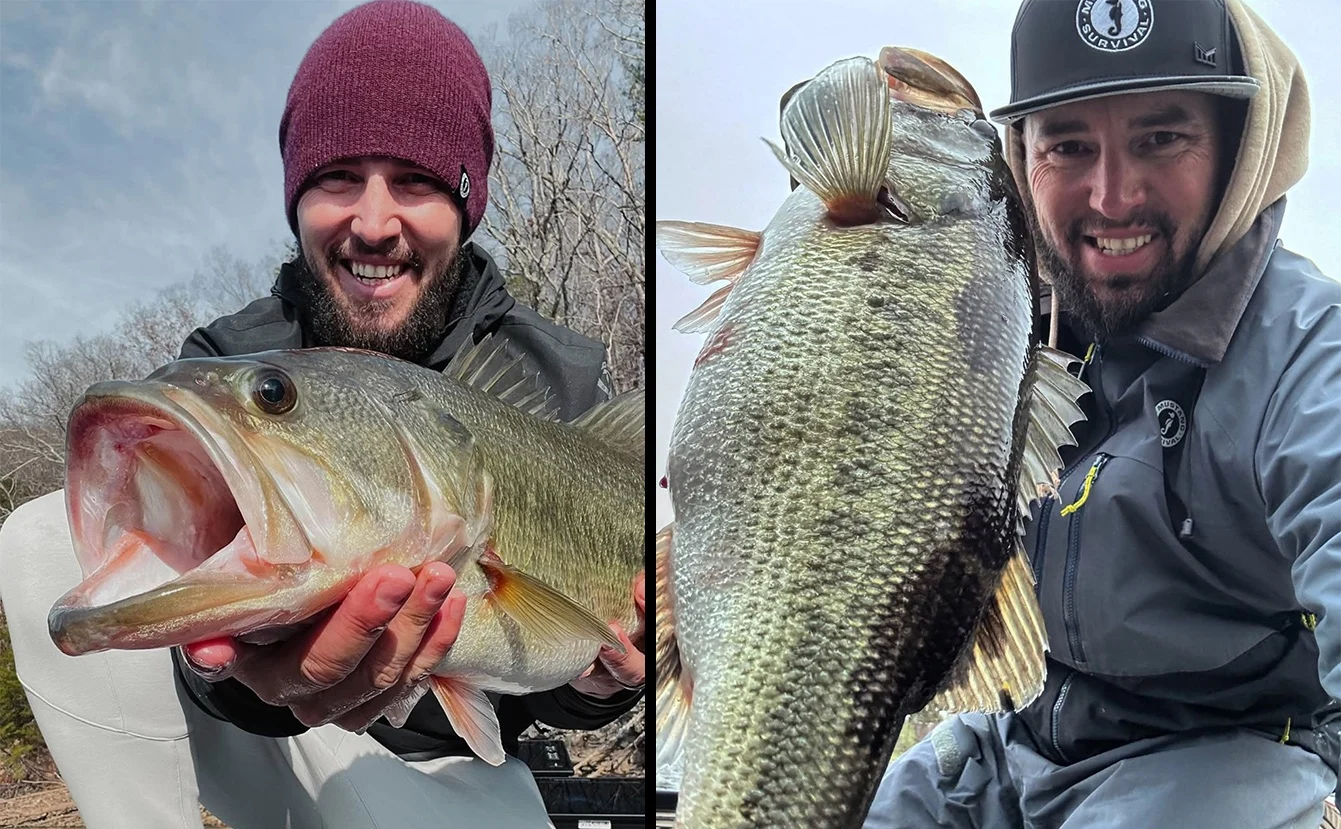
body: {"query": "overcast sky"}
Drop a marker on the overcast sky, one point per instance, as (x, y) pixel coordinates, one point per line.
(135, 136)
(721, 68)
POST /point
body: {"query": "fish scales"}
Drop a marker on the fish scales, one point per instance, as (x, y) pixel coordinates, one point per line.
(844, 430)
(843, 471)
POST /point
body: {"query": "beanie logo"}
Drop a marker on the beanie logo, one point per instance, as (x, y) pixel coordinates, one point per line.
(1114, 25)
(464, 187)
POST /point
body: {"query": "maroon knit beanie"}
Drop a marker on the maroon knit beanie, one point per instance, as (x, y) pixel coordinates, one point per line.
(391, 78)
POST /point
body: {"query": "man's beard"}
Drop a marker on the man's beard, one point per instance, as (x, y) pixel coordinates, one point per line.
(1101, 320)
(360, 326)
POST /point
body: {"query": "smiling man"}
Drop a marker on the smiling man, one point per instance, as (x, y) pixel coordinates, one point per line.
(1188, 566)
(1119, 231)
(386, 142)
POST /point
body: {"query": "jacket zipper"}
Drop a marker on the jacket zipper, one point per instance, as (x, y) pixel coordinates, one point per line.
(1073, 559)
(1068, 584)
(1056, 718)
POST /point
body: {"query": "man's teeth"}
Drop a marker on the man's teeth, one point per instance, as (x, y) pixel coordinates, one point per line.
(1118, 247)
(374, 273)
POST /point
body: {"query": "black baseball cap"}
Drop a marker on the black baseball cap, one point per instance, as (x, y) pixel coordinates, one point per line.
(1073, 50)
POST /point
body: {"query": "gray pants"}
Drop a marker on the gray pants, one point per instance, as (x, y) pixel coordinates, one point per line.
(983, 772)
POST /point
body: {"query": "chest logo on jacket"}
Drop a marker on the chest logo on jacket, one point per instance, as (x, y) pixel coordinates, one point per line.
(1172, 423)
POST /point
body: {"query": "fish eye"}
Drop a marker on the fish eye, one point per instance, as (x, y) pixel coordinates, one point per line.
(274, 393)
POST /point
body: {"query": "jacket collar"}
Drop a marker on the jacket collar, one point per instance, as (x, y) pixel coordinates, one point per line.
(1201, 322)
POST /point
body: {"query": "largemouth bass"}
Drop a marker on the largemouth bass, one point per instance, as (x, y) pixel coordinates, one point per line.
(865, 428)
(239, 496)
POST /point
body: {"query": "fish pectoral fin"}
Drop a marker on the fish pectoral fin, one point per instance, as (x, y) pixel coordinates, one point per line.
(472, 716)
(1005, 667)
(839, 134)
(1053, 392)
(541, 609)
(701, 318)
(707, 253)
(674, 684)
(619, 422)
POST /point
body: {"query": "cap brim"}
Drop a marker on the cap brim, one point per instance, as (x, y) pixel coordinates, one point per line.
(1232, 86)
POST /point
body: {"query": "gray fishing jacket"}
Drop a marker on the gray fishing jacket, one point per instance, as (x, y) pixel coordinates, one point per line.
(1189, 571)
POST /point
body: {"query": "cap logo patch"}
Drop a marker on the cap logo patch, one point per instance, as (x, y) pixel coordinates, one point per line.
(1206, 56)
(464, 187)
(1114, 25)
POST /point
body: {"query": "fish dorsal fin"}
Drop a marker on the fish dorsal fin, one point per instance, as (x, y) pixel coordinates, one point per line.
(619, 422)
(486, 366)
(1005, 668)
(1053, 392)
(707, 253)
(674, 684)
(839, 134)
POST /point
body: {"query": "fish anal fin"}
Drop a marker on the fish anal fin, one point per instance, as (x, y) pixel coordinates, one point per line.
(540, 609)
(838, 133)
(1005, 666)
(472, 716)
(675, 687)
(707, 253)
(619, 422)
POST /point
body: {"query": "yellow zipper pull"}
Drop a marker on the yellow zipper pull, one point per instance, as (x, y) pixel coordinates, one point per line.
(1085, 491)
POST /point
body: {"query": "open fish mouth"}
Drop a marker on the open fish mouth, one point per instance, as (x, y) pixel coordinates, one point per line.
(153, 495)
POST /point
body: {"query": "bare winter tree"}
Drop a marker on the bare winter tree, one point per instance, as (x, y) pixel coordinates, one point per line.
(567, 199)
(567, 215)
(147, 335)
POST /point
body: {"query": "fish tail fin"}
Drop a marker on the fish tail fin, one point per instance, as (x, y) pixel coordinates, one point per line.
(839, 132)
(1005, 666)
(541, 609)
(472, 716)
(674, 684)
